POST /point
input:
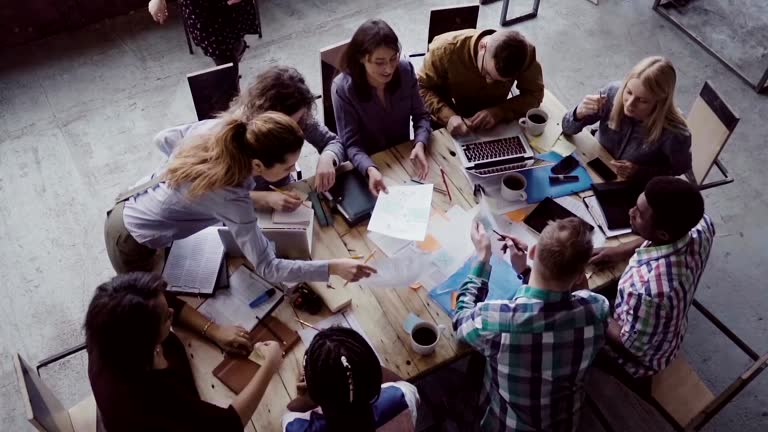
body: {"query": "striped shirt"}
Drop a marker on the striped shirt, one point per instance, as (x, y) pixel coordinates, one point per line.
(538, 347)
(654, 295)
(393, 411)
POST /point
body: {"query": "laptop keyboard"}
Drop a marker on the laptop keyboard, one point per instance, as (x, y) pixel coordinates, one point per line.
(493, 149)
(499, 170)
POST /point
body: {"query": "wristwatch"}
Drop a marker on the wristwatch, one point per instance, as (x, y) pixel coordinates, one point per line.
(525, 274)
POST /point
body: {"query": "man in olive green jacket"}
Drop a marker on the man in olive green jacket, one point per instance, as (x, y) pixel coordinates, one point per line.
(468, 74)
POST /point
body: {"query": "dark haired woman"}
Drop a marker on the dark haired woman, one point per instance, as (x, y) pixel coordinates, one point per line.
(206, 182)
(355, 393)
(281, 89)
(138, 368)
(375, 98)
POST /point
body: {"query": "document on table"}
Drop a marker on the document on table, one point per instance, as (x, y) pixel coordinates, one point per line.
(403, 212)
(301, 215)
(398, 271)
(193, 263)
(342, 319)
(231, 306)
(389, 245)
(579, 209)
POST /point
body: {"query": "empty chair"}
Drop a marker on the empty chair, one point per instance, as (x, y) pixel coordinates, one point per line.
(447, 19)
(711, 122)
(330, 58)
(213, 89)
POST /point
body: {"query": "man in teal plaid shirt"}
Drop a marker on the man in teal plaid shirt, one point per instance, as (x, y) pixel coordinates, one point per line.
(539, 345)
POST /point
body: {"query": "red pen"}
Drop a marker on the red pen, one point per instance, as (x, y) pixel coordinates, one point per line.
(445, 182)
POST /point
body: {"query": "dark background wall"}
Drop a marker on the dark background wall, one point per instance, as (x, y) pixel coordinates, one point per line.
(27, 20)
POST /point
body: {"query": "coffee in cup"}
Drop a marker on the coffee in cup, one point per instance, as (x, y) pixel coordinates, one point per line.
(513, 187)
(535, 121)
(424, 336)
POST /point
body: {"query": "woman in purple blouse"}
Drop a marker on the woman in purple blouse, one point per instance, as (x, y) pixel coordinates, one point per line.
(374, 99)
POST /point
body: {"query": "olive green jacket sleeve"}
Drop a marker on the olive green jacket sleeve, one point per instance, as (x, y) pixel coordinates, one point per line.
(433, 85)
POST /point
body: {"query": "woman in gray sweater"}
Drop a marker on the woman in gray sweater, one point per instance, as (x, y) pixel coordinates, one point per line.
(640, 126)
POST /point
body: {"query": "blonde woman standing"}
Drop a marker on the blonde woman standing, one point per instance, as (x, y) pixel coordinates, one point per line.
(207, 181)
(640, 125)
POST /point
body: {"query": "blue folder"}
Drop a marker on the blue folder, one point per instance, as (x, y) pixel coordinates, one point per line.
(503, 285)
(538, 181)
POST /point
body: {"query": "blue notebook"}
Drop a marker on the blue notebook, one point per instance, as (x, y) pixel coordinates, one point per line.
(503, 285)
(538, 180)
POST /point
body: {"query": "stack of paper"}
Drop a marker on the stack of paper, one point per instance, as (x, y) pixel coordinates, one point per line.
(231, 306)
(193, 263)
(403, 212)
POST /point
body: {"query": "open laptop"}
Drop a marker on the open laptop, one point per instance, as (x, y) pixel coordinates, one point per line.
(495, 151)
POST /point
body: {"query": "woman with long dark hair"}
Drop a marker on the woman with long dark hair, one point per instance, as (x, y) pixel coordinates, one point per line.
(138, 368)
(375, 98)
(353, 391)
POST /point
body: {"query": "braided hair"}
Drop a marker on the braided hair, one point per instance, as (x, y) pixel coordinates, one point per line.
(343, 376)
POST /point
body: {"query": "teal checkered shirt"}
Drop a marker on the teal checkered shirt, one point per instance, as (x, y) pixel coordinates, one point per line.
(538, 347)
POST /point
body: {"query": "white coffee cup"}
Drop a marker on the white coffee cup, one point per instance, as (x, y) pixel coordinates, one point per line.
(536, 127)
(513, 187)
(429, 327)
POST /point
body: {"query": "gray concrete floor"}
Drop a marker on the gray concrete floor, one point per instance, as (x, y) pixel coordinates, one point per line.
(78, 110)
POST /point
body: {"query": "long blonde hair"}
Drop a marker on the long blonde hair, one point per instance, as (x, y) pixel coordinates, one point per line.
(658, 76)
(224, 158)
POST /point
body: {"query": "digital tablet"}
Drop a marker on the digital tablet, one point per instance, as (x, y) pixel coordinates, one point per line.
(547, 210)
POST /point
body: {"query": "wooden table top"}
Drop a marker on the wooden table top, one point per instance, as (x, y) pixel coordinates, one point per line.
(381, 312)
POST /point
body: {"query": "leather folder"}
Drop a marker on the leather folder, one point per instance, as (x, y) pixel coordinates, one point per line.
(236, 371)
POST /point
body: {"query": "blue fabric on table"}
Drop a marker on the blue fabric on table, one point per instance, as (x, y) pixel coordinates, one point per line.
(503, 285)
(538, 180)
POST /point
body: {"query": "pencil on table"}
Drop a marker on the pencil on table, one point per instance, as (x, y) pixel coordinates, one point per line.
(445, 183)
(288, 195)
(307, 324)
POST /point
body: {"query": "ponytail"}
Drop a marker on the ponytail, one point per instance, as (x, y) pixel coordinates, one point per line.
(225, 157)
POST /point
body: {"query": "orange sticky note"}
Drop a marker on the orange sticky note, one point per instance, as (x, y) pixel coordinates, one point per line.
(430, 244)
(454, 299)
(517, 215)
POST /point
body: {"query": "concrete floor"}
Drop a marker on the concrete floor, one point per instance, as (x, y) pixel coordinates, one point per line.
(78, 110)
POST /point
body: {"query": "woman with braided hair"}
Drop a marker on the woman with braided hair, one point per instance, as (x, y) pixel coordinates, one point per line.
(354, 392)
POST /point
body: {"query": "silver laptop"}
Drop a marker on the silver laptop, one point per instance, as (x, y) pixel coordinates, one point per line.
(495, 151)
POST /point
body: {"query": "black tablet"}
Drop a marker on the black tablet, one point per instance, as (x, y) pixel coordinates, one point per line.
(547, 210)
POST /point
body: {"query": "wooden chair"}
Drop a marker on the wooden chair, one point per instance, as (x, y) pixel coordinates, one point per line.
(213, 89)
(189, 41)
(448, 19)
(711, 122)
(330, 61)
(686, 399)
(44, 411)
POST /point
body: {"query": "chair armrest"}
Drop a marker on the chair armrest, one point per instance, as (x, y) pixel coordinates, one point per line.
(60, 356)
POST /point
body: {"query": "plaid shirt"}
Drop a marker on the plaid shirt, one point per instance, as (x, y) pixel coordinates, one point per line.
(538, 347)
(654, 295)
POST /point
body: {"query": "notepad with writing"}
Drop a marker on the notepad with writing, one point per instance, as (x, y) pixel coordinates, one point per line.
(194, 262)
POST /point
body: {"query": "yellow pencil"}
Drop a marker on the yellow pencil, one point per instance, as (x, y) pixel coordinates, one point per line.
(364, 262)
(307, 324)
(288, 195)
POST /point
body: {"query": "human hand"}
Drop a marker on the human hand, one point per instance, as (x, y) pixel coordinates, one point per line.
(301, 385)
(624, 169)
(606, 255)
(419, 161)
(376, 182)
(288, 201)
(518, 252)
(349, 269)
(232, 339)
(591, 104)
(272, 353)
(325, 174)
(484, 119)
(581, 283)
(159, 10)
(456, 126)
(481, 241)
(231, 2)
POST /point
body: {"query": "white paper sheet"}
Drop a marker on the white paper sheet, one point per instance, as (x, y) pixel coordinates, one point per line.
(193, 263)
(343, 319)
(398, 271)
(579, 209)
(230, 306)
(403, 212)
(389, 245)
(301, 215)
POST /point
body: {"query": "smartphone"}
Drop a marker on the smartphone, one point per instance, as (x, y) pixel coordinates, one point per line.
(603, 170)
(566, 165)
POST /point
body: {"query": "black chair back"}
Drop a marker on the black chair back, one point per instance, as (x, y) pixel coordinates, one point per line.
(213, 89)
